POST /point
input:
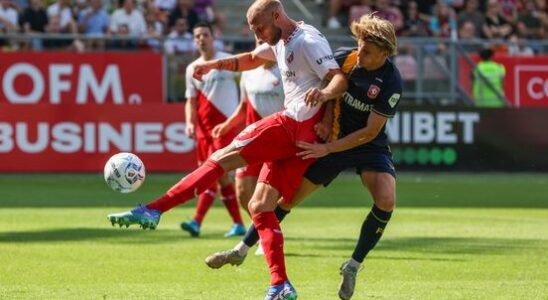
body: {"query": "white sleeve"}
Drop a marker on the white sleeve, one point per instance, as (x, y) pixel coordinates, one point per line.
(190, 88)
(264, 51)
(319, 56)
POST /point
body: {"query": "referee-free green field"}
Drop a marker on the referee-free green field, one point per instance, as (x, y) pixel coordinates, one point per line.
(468, 236)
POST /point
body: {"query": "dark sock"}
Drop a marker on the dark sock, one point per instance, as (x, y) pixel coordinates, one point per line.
(252, 236)
(371, 232)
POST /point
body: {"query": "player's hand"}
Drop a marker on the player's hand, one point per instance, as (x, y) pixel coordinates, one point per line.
(313, 97)
(323, 131)
(190, 131)
(312, 150)
(201, 69)
(219, 130)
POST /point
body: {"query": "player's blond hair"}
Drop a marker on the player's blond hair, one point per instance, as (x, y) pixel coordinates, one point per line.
(371, 28)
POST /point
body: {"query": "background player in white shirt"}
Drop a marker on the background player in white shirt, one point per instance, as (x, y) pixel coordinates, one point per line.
(210, 102)
(305, 60)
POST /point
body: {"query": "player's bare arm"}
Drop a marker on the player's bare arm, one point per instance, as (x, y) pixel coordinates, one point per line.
(375, 123)
(190, 116)
(337, 85)
(236, 63)
(323, 128)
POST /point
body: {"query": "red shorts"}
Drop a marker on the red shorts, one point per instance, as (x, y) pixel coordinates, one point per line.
(205, 146)
(249, 171)
(272, 140)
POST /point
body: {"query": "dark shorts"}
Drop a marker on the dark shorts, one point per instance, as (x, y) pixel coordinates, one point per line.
(327, 168)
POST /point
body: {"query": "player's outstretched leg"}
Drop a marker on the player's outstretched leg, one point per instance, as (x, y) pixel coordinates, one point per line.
(145, 217)
(187, 188)
(284, 291)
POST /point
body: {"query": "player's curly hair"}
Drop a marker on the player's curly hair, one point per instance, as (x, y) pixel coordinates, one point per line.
(371, 28)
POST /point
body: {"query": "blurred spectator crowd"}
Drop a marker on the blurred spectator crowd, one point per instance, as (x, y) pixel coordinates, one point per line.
(465, 20)
(112, 24)
(142, 24)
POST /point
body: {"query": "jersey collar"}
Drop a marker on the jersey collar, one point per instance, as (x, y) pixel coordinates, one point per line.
(294, 33)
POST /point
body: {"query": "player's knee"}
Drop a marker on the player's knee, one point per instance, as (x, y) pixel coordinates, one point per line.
(257, 206)
(253, 207)
(386, 202)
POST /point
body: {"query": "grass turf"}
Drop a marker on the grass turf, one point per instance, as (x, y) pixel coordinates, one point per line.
(452, 237)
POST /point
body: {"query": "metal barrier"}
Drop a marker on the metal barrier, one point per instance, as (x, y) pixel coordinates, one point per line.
(430, 66)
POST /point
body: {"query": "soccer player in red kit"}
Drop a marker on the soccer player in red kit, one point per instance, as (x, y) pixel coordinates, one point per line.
(211, 101)
(305, 60)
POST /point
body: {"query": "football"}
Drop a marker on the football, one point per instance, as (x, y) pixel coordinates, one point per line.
(124, 172)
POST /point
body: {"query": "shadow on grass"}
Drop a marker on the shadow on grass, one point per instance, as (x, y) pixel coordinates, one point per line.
(107, 235)
(435, 245)
(376, 256)
(431, 245)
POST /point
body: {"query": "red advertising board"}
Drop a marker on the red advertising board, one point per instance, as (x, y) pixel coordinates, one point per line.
(64, 77)
(526, 81)
(69, 112)
(81, 138)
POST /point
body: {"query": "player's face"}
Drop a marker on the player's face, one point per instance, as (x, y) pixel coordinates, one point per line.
(266, 31)
(203, 38)
(370, 56)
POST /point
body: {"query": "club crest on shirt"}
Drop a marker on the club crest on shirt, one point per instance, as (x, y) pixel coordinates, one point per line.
(373, 91)
(290, 57)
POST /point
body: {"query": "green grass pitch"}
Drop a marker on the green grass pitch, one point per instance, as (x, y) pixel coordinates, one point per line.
(468, 236)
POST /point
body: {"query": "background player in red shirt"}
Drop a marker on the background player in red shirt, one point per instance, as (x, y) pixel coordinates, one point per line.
(210, 102)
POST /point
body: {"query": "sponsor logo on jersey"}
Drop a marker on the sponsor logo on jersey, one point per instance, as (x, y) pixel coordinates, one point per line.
(394, 100)
(290, 57)
(356, 103)
(328, 57)
(373, 91)
(288, 73)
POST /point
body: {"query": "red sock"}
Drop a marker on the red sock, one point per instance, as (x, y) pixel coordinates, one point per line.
(205, 201)
(272, 241)
(229, 200)
(190, 186)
